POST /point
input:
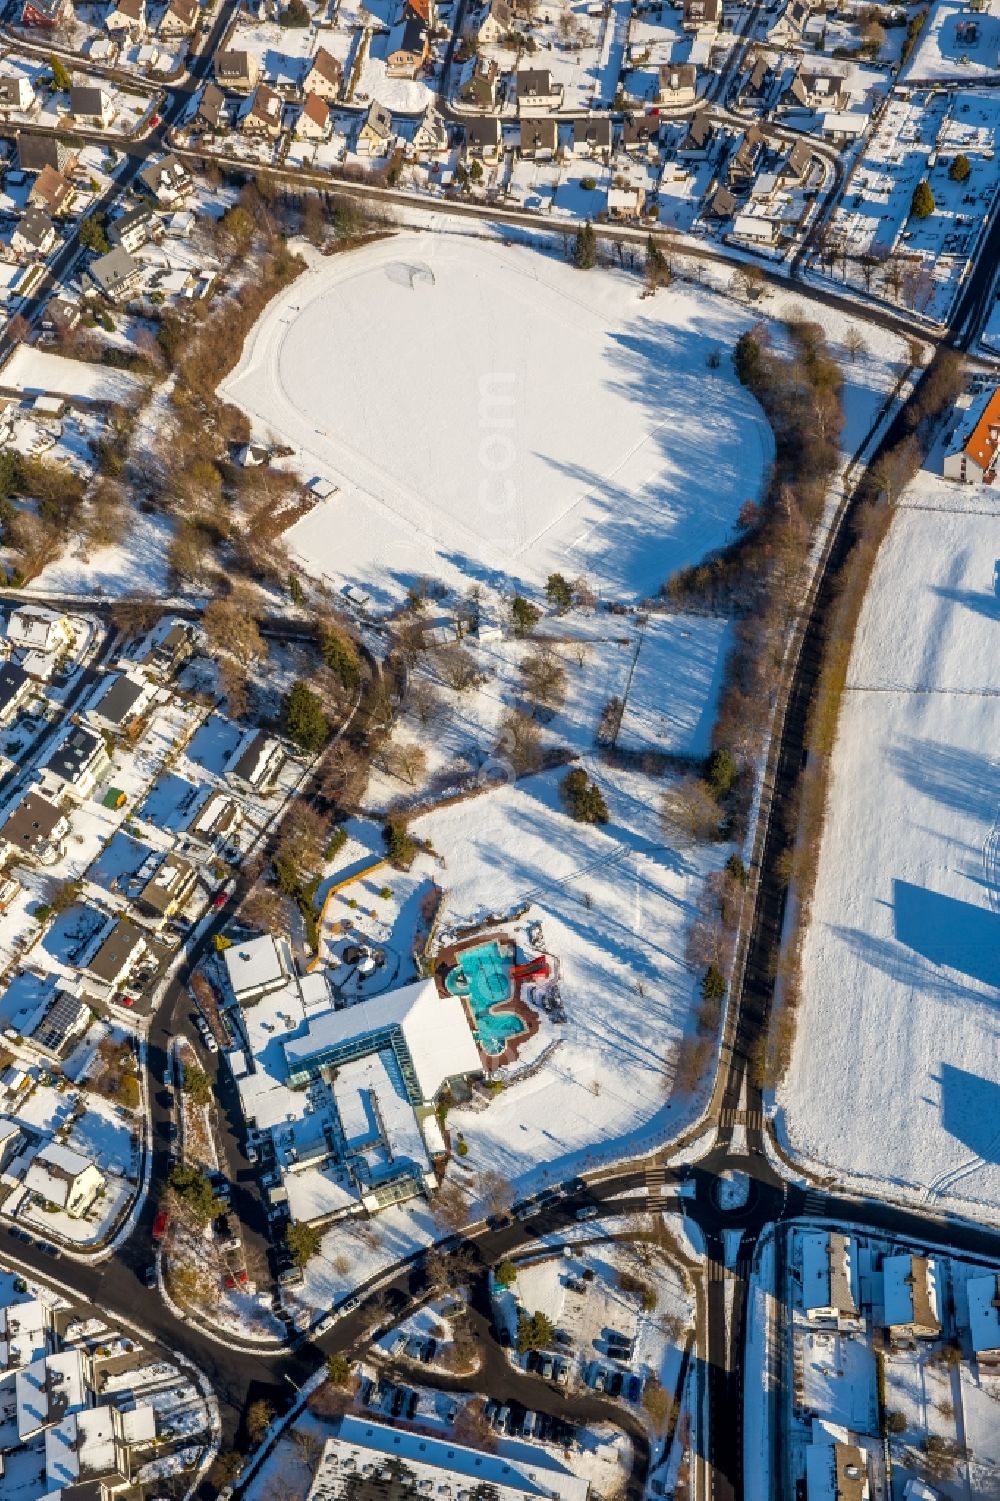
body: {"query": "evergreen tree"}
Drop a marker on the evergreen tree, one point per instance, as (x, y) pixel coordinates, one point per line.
(585, 248)
(922, 204)
(305, 722)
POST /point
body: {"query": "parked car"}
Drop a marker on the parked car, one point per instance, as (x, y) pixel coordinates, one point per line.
(598, 1378)
(502, 1420)
(633, 1389)
(562, 1372)
(615, 1383)
(572, 1186)
(160, 1224)
(428, 1350)
(150, 1278)
(398, 1399)
(587, 1212)
(546, 1367)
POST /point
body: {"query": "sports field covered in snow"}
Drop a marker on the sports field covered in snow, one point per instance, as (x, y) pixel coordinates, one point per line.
(896, 1070)
(490, 414)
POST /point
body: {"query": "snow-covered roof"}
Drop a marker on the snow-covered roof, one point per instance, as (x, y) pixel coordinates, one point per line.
(910, 1290)
(434, 1460)
(984, 1312)
(435, 1029)
(829, 1272)
(41, 1401)
(377, 1116)
(255, 965)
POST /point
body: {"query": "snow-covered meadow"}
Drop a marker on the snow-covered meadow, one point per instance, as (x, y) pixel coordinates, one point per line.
(896, 1070)
(488, 414)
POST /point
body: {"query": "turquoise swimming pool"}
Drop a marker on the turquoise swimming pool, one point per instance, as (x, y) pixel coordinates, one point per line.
(482, 976)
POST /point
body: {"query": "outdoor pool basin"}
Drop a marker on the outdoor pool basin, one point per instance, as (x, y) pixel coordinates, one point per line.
(482, 976)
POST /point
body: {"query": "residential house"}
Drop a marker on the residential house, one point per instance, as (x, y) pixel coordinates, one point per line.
(984, 1321)
(538, 137)
(52, 193)
(123, 701)
(79, 761)
(35, 827)
(844, 126)
(407, 49)
(481, 89)
(721, 205)
(641, 135)
(238, 72)
(216, 820)
(537, 91)
(742, 167)
(135, 228)
(697, 144)
(314, 122)
(12, 1139)
(496, 23)
(910, 1297)
(126, 18)
(168, 648)
(797, 164)
(179, 18)
(116, 276)
(16, 688)
(39, 629)
(166, 181)
(626, 203)
(34, 234)
(484, 139)
(210, 111)
(757, 85)
(10, 888)
(16, 92)
(971, 452)
(376, 136)
(57, 1023)
(836, 1469)
(89, 106)
(60, 316)
(678, 85)
(593, 136)
(263, 115)
(830, 1278)
(60, 1176)
(167, 890)
(118, 954)
(787, 30)
(44, 13)
(811, 90)
(702, 15)
(256, 763)
(757, 228)
(324, 77)
(431, 136)
(36, 151)
(423, 10)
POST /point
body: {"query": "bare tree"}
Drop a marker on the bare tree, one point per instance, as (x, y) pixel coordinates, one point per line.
(689, 812)
(231, 627)
(405, 759)
(543, 678)
(449, 1206)
(520, 742)
(854, 343)
(459, 668)
(424, 700)
(495, 1191)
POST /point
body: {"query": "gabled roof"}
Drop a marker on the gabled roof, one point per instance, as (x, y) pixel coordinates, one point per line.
(35, 226)
(327, 66)
(317, 110)
(51, 188)
(983, 441)
(378, 119)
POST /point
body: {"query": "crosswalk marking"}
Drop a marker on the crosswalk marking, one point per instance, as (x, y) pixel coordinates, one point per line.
(730, 1117)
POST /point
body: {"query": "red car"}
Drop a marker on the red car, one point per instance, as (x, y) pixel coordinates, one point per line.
(126, 1000)
(229, 1282)
(160, 1225)
(219, 899)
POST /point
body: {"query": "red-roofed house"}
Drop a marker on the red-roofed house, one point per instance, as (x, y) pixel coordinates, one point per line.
(972, 455)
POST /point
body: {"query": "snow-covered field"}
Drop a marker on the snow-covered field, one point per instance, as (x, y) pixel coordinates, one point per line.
(501, 418)
(896, 1072)
(36, 371)
(945, 50)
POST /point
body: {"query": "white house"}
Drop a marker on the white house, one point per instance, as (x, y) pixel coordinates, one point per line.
(256, 763)
(60, 1176)
(16, 92)
(971, 452)
(127, 18)
(841, 126)
(984, 1320)
(37, 629)
(313, 123)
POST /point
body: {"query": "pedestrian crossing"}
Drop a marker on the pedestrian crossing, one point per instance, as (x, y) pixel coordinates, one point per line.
(716, 1271)
(731, 1117)
(815, 1202)
(655, 1176)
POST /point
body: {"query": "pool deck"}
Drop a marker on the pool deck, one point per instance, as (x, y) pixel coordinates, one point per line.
(447, 959)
